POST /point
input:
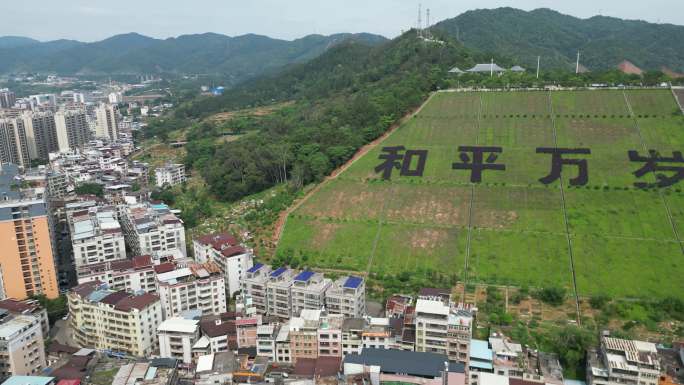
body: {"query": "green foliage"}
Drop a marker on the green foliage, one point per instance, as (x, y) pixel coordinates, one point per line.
(603, 41)
(90, 189)
(554, 296)
(56, 308)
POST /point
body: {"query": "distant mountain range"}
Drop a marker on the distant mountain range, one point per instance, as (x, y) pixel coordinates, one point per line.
(604, 42)
(238, 57)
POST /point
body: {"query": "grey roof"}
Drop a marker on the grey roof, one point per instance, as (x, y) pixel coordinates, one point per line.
(488, 67)
(456, 70)
(420, 364)
(517, 69)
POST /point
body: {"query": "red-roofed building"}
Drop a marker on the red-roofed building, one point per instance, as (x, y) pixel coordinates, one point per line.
(29, 307)
(131, 275)
(116, 320)
(232, 258)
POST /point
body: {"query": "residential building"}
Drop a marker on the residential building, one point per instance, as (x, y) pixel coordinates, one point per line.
(329, 336)
(41, 134)
(152, 229)
(459, 334)
(308, 291)
(481, 359)
(618, 361)
(158, 371)
(376, 334)
(352, 335)
(435, 294)
(195, 287)
(96, 236)
(216, 368)
(233, 259)
(22, 349)
(107, 121)
(246, 328)
(31, 380)
(432, 321)
(283, 351)
(347, 296)
(177, 335)
(7, 98)
(279, 299)
(254, 288)
(304, 334)
(219, 334)
(14, 145)
(170, 174)
(27, 261)
(396, 305)
(72, 129)
(131, 275)
(266, 340)
(114, 320)
(508, 357)
(27, 307)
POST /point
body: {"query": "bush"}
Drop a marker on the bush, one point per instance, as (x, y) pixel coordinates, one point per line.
(554, 296)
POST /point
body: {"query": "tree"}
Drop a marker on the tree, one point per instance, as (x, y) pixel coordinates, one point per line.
(90, 189)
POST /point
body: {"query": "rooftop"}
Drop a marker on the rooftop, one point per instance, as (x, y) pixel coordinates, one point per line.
(28, 380)
(405, 362)
(178, 325)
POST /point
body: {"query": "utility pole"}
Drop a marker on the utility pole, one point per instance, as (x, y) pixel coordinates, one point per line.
(420, 20)
(491, 69)
(538, 61)
(427, 24)
(577, 66)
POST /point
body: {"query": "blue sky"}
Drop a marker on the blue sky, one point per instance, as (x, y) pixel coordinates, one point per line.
(90, 20)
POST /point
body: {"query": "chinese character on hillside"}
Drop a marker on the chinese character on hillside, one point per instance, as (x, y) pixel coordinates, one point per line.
(652, 165)
(394, 158)
(477, 163)
(557, 163)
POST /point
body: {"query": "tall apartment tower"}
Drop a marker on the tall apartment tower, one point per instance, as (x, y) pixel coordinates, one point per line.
(26, 259)
(72, 129)
(41, 134)
(7, 98)
(107, 124)
(13, 142)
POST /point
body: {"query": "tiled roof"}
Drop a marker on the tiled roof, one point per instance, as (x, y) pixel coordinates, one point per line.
(139, 302)
(233, 251)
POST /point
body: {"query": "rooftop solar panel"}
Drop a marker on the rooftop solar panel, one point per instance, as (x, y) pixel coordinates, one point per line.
(279, 272)
(255, 268)
(304, 276)
(353, 282)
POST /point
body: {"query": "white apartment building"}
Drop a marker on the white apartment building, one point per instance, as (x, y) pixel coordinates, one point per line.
(177, 336)
(219, 334)
(432, 322)
(22, 349)
(376, 334)
(152, 229)
(105, 319)
(308, 291)
(72, 129)
(279, 299)
(131, 275)
(347, 296)
(254, 290)
(623, 362)
(266, 340)
(96, 236)
(170, 174)
(195, 287)
(233, 259)
(282, 345)
(107, 122)
(14, 145)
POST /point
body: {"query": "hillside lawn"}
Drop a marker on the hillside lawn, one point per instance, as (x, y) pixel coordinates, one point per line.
(511, 229)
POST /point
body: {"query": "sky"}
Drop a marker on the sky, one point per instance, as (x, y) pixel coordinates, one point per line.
(92, 20)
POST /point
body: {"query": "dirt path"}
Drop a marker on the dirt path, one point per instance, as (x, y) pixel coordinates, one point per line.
(282, 219)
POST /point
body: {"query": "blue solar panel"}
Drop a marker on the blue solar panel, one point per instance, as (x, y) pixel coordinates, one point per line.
(353, 282)
(279, 272)
(304, 276)
(255, 268)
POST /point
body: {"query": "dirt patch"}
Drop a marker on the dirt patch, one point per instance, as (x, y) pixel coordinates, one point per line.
(428, 238)
(325, 233)
(258, 112)
(496, 219)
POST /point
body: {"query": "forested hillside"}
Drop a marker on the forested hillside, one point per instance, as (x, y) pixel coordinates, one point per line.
(345, 98)
(235, 58)
(603, 41)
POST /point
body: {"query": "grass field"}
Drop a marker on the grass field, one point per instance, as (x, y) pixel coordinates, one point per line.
(510, 228)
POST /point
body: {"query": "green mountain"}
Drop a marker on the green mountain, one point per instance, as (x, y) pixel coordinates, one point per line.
(604, 42)
(237, 58)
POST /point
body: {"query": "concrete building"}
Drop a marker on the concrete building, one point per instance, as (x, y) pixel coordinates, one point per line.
(233, 259)
(283, 351)
(96, 236)
(619, 362)
(279, 299)
(72, 129)
(329, 336)
(304, 335)
(27, 307)
(107, 122)
(219, 334)
(22, 349)
(432, 321)
(308, 291)
(246, 329)
(195, 287)
(14, 145)
(347, 296)
(352, 332)
(170, 174)
(177, 336)
(130, 275)
(254, 290)
(7, 98)
(377, 334)
(27, 260)
(266, 340)
(41, 134)
(115, 320)
(152, 229)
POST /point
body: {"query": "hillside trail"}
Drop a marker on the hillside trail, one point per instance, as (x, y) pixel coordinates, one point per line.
(282, 219)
